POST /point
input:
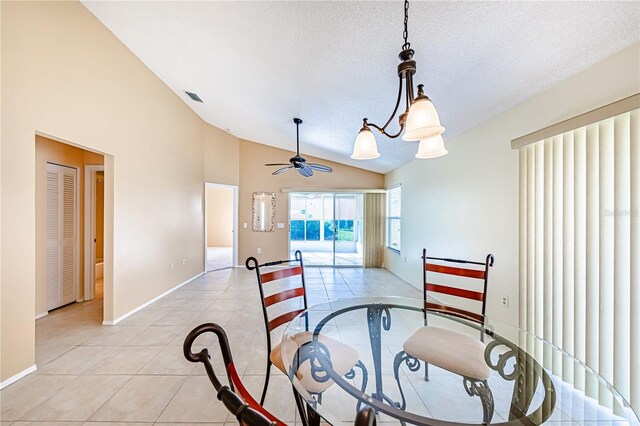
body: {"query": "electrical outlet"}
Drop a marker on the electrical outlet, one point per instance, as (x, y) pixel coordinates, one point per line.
(505, 301)
(184, 260)
(171, 266)
(259, 250)
(405, 259)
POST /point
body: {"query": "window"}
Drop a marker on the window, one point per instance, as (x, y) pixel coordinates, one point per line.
(579, 249)
(393, 218)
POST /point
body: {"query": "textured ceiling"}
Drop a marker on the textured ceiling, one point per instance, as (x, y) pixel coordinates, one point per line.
(258, 64)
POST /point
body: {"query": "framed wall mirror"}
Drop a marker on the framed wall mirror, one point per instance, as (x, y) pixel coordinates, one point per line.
(264, 211)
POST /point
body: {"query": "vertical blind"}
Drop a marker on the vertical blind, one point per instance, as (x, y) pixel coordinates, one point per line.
(579, 266)
(394, 196)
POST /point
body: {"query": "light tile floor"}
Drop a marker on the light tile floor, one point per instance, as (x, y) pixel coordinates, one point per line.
(135, 373)
(219, 258)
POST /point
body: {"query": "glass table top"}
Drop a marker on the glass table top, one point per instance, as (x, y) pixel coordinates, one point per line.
(346, 353)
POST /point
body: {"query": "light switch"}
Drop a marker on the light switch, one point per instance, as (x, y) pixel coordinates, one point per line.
(280, 225)
(244, 225)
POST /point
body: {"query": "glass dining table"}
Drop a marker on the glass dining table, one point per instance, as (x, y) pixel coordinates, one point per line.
(531, 382)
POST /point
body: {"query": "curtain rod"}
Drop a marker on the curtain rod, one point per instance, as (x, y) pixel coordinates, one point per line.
(338, 190)
(599, 114)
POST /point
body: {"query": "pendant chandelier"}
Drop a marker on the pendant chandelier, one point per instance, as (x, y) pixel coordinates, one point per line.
(419, 121)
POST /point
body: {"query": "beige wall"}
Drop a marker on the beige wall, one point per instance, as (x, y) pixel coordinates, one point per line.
(219, 217)
(255, 177)
(49, 151)
(96, 95)
(64, 74)
(465, 204)
(221, 157)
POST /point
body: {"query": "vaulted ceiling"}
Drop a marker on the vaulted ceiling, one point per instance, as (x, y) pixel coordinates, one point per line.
(257, 65)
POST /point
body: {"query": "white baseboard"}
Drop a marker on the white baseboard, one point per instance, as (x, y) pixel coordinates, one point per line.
(18, 376)
(155, 299)
(42, 314)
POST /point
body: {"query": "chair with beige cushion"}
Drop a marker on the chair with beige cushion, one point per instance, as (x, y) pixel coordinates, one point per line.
(343, 357)
(451, 350)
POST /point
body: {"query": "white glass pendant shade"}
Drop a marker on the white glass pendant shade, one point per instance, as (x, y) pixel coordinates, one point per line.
(422, 121)
(365, 147)
(432, 147)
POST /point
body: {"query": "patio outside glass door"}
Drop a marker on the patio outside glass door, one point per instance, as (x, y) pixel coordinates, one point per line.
(327, 228)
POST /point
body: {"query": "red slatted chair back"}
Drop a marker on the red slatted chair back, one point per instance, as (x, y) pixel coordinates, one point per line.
(431, 271)
(295, 268)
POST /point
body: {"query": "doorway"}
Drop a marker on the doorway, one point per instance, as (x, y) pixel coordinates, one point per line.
(221, 240)
(327, 227)
(62, 228)
(94, 232)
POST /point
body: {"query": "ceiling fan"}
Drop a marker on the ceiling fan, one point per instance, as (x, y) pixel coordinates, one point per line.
(299, 163)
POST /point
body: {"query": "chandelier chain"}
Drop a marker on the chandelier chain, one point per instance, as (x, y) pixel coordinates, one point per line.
(405, 33)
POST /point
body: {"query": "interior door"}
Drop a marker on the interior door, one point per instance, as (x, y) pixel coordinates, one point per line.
(62, 275)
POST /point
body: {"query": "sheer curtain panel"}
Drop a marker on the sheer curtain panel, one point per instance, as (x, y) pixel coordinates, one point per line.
(374, 227)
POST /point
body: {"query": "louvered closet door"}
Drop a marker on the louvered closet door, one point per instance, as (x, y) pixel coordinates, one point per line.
(61, 236)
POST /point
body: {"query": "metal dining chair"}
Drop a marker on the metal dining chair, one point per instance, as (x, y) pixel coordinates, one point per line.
(344, 357)
(448, 349)
(235, 396)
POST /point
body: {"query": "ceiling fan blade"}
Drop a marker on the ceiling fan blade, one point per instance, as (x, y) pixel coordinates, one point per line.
(282, 170)
(320, 167)
(277, 164)
(305, 171)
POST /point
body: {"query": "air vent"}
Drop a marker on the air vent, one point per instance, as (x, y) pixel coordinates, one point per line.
(194, 97)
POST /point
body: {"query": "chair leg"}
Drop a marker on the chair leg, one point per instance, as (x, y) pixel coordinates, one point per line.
(266, 381)
(412, 363)
(426, 371)
(481, 389)
(300, 403)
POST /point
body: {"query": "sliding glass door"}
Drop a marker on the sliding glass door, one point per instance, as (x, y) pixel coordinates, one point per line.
(326, 227)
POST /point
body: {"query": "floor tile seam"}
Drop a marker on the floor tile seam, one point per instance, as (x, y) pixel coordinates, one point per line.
(419, 394)
(69, 384)
(184, 382)
(324, 285)
(153, 357)
(137, 373)
(126, 342)
(38, 367)
(51, 396)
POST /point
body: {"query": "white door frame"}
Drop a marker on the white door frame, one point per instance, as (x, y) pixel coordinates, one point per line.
(90, 228)
(234, 256)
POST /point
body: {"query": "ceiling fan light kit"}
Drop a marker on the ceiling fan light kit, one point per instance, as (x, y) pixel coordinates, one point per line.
(299, 163)
(419, 121)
